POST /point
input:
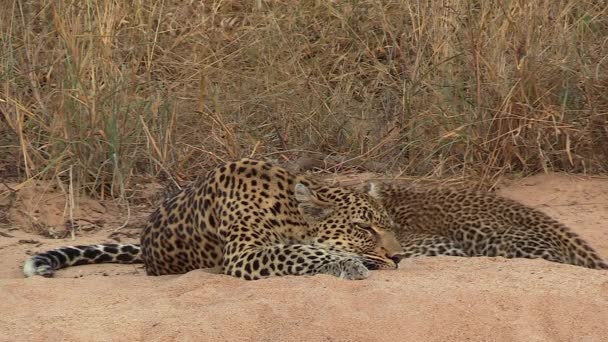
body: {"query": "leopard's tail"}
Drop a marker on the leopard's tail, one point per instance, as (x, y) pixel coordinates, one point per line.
(46, 263)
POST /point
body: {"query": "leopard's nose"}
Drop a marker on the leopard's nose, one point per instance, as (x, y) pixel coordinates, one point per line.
(396, 258)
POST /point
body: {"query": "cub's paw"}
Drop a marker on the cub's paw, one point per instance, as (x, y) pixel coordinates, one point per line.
(351, 269)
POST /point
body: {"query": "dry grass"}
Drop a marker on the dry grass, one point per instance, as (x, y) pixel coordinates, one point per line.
(95, 92)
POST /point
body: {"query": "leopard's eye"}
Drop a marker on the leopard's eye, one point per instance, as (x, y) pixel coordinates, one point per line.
(365, 226)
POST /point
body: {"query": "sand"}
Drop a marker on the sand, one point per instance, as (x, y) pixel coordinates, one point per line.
(427, 299)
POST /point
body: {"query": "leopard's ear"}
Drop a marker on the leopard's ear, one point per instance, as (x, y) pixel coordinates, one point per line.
(374, 190)
(309, 205)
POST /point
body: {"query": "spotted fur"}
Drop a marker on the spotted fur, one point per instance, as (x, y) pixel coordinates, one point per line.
(445, 221)
(252, 220)
(46, 263)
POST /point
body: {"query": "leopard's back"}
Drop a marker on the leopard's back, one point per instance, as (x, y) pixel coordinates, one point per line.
(484, 224)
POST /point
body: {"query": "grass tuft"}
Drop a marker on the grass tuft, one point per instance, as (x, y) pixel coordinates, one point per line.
(114, 89)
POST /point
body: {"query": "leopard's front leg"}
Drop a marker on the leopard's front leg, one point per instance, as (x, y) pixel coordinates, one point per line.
(258, 262)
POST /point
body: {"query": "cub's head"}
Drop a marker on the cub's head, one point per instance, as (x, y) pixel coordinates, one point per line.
(350, 221)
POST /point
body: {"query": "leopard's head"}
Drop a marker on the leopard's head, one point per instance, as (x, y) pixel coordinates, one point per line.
(350, 221)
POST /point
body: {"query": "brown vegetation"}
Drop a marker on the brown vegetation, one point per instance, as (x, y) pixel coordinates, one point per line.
(95, 92)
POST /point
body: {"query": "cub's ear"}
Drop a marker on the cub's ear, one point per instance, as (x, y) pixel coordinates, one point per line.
(310, 205)
(374, 190)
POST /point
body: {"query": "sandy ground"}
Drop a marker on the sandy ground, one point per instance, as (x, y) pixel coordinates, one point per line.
(427, 299)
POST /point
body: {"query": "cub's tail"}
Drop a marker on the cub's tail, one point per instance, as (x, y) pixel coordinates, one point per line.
(46, 263)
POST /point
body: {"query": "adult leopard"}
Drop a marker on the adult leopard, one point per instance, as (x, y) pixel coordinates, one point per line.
(252, 220)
